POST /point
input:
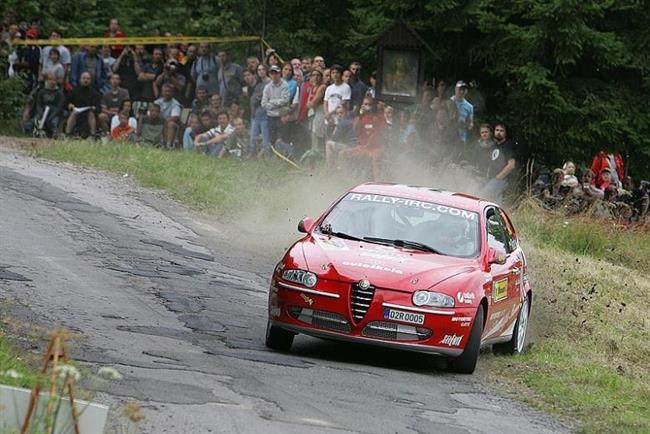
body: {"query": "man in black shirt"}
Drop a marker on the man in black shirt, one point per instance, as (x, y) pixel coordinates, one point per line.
(83, 102)
(499, 166)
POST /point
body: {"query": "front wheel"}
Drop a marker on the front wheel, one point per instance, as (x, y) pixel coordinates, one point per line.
(517, 344)
(466, 362)
(277, 338)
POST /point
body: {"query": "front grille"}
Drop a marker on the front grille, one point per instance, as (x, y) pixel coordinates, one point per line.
(360, 300)
(393, 331)
(320, 318)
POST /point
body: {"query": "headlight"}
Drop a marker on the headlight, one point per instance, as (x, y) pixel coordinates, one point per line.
(434, 299)
(302, 277)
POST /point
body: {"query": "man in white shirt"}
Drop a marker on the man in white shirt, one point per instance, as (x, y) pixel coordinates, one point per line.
(337, 94)
(212, 141)
(170, 111)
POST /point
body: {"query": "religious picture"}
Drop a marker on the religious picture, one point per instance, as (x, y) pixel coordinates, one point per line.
(400, 76)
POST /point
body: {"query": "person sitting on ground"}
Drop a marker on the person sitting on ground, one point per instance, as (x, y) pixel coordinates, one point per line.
(212, 142)
(125, 108)
(612, 161)
(112, 101)
(636, 198)
(238, 142)
(124, 131)
(570, 181)
(49, 103)
(369, 127)
(215, 105)
(201, 100)
(604, 179)
(191, 131)
(587, 190)
(170, 111)
(207, 122)
(553, 194)
(341, 138)
(83, 101)
(150, 127)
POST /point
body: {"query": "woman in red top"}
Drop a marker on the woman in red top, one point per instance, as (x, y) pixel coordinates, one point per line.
(369, 127)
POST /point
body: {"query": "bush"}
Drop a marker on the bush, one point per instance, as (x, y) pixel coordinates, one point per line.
(11, 94)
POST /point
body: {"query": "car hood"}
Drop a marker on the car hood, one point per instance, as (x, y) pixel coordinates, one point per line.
(384, 266)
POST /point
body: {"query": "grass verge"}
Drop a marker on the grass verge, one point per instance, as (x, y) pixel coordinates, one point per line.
(13, 370)
(590, 355)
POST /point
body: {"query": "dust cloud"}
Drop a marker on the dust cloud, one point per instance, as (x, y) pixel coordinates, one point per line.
(268, 220)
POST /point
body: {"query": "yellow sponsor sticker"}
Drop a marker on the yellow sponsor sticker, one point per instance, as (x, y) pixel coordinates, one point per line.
(500, 289)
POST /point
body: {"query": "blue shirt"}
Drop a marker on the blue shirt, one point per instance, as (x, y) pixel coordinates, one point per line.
(293, 86)
(465, 112)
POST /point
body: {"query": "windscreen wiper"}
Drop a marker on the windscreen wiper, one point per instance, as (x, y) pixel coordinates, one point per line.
(327, 230)
(404, 243)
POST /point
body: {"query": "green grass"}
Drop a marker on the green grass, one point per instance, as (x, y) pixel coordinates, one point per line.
(590, 353)
(10, 361)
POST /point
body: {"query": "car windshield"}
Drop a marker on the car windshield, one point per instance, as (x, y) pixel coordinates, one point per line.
(407, 223)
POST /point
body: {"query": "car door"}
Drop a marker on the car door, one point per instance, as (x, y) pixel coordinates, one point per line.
(502, 292)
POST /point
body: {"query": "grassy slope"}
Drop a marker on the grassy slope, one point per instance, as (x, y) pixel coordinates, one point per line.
(9, 361)
(590, 354)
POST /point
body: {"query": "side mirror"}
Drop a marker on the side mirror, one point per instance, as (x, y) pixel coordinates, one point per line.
(496, 257)
(305, 225)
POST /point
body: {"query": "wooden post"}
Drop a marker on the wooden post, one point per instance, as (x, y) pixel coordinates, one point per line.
(55, 352)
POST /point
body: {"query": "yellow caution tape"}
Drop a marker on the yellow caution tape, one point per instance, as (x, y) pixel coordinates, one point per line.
(139, 40)
(276, 53)
(282, 157)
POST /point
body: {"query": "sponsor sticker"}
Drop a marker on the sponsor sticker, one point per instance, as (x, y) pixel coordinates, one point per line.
(451, 340)
(499, 290)
(461, 318)
(306, 299)
(372, 267)
(465, 297)
(382, 256)
(443, 209)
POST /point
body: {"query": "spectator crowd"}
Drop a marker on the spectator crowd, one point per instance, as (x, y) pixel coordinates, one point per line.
(189, 97)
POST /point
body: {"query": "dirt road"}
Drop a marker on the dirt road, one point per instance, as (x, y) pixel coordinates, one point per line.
(168, 299)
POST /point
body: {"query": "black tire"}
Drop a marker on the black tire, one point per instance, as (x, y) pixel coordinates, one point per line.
(514, 346)
(466, 362)
(278, 339)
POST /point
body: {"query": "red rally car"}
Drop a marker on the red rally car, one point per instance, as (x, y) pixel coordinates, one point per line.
(405, 267)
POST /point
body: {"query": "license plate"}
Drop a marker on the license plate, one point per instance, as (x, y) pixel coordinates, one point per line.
(398, 315)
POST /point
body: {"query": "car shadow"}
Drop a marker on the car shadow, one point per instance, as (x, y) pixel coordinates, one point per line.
(367, 355)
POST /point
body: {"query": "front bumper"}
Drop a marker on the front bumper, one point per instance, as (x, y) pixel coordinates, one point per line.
(444, 331)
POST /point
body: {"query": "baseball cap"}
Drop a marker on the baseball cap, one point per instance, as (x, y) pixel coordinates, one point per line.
(274, 68)
(461, 83)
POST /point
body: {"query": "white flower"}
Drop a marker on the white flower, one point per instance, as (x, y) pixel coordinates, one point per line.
(109, 373)
(12, 373)
(67, 371)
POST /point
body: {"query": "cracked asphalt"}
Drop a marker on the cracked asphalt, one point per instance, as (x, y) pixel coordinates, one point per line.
(171, 301)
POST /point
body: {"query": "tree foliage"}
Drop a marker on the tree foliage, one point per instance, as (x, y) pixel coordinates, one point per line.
(569, 77)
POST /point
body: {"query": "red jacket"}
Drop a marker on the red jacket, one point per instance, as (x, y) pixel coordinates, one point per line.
(369, 129)
(601, 161)
(116, 50)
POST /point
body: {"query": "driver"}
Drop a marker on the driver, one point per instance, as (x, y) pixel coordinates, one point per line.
(447, 234)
